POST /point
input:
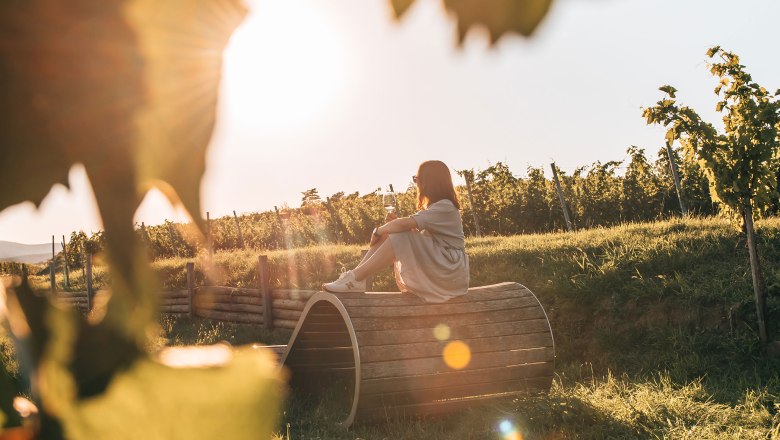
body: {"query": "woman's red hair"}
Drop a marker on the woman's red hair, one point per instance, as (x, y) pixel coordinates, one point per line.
(434, 183)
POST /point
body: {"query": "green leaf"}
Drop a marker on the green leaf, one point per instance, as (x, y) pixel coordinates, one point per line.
(712, 51)
(648, 115)
(669, 90)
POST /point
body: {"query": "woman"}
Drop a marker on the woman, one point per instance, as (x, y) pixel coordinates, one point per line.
(427, 247)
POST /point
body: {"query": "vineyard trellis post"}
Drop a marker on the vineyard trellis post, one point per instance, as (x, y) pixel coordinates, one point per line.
(90, 289)
(65, 262)
(145, 234)
(238, 227)
(336, 223)
(468, 174)
(395, 199)
(209, 239)
(264, 276)
(279, 223)
(758, 291)
(51, 267)
(560, 197)
(172, 235)
(675, 176)
(191, 289)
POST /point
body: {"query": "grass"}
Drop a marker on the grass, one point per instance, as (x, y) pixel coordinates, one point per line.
(587, 406)
(649, 407)
(197, 331)
(654, 326)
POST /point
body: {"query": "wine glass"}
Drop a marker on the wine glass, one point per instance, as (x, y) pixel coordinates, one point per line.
(388, 201)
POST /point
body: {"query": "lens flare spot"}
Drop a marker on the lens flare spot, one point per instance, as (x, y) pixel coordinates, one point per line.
(442, 332)
(24, 407)
(505, 427)
(200, 356)
(508, 431)
(457, 355)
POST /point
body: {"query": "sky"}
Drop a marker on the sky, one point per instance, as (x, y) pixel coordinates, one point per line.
(338, 96)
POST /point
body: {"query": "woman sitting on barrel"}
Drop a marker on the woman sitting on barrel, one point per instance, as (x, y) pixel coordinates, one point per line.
(426, 248)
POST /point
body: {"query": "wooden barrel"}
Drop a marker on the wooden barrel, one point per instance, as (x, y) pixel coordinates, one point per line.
(398, 356)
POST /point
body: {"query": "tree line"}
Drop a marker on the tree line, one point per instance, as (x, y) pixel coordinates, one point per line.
(600, 194)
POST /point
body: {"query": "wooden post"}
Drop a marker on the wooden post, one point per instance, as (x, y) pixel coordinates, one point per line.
(755, 272)
(370, 278)
(191, 289)
(145, 233)
(172, 236)
(65, 262)
(51, 267)
(209, 241)
(336, 224)
(676, 176)
(281, 228)
(264, 276)
(238, 227)
(560, 197)
(468, 176)
(395, 197)
(90, 291)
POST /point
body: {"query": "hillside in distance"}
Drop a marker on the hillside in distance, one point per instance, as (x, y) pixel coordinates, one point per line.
(26, 253)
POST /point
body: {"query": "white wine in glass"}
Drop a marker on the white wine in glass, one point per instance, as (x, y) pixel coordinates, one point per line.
(388, 200)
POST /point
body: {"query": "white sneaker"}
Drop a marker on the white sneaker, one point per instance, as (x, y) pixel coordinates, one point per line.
(346, 283)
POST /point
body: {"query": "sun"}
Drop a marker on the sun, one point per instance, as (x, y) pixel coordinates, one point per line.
(284, 67)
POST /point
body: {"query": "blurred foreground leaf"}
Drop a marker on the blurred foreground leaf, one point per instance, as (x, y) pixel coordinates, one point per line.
(93, 383)
(237, 400)
(498, 16)
(127, 88)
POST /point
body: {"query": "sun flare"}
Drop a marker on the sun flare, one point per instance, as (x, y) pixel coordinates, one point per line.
(284, 67)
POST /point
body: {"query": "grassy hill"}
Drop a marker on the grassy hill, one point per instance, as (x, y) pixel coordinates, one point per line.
(654, 327)
(26, 253)
(603, 286)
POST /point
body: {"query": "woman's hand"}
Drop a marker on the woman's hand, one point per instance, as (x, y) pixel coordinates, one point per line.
(390, 216)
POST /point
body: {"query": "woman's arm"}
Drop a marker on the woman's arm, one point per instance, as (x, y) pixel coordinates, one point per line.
(393, 226)
(398, 225)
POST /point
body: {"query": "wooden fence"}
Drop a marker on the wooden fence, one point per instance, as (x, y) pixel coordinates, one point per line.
(273, 308)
